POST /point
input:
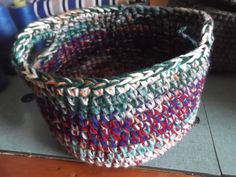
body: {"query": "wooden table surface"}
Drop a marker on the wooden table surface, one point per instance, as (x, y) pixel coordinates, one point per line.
(20, 166)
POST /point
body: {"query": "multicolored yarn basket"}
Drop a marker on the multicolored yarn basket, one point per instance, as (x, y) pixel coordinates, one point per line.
(119, 85)
(223, 58)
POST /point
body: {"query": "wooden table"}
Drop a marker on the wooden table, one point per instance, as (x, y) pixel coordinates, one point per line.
(11, 166)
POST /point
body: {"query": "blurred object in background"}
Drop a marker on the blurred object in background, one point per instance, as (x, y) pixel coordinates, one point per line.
(22, 13)
(46, 8)
(138, 1)
(19, 3)
(8, 33)
(8, 27)
(158, 2)
(5, 2)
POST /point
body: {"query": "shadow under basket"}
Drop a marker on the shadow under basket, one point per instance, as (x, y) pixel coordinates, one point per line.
(120, 85)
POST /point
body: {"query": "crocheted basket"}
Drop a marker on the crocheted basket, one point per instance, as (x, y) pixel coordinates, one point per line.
(223, 57)
(119, 85)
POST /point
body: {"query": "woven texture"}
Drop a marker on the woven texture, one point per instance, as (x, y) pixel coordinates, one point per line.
(222, 4)
(119, 85)
(223, 58)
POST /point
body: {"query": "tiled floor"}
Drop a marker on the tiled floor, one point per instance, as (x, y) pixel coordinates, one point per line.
(209, 148)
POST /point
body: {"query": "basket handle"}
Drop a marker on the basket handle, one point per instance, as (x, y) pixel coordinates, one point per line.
(33, 34)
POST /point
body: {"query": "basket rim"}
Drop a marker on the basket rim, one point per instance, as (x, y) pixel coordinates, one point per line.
(20, 60)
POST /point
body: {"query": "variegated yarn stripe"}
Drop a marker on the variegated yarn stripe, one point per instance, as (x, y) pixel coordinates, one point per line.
(130, 116)
(95, 154)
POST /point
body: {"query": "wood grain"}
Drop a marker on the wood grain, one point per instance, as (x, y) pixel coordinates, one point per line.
(21, 166)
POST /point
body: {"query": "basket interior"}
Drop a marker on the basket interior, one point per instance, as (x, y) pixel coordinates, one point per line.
(116, 44)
